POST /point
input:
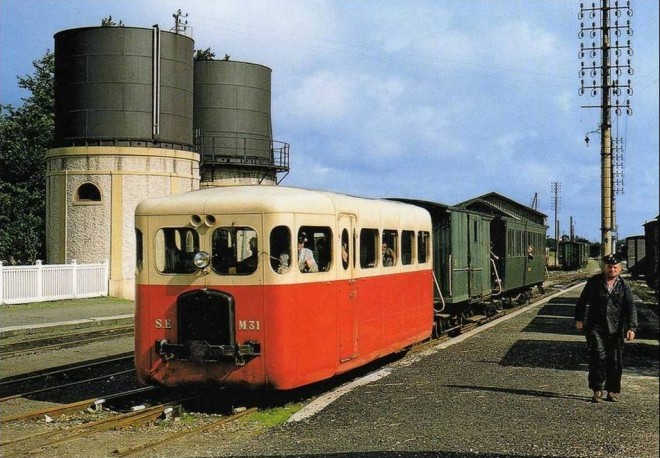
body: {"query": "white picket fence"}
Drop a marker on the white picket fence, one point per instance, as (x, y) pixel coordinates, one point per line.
(50, 282)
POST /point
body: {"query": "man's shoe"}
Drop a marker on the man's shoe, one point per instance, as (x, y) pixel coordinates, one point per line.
(612, 397)
(597, 397)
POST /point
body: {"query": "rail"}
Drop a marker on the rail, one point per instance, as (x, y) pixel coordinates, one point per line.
(244, 151)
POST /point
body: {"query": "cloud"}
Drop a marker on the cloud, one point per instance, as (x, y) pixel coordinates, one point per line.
(320, 98)
(440, 100)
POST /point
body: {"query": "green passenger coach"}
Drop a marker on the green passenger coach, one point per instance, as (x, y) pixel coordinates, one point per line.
(518, 235)
(461, 261)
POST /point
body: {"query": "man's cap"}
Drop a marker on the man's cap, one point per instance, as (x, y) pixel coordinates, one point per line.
(612, 259)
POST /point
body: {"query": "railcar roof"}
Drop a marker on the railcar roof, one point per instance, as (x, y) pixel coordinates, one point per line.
(264, 199)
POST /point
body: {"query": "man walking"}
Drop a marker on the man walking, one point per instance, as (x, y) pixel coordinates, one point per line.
(611, 317)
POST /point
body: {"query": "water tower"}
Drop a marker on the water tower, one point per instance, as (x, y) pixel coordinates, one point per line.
(123, 133)
(232, 124)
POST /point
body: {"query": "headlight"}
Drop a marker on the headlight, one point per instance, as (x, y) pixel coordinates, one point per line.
(202, 259)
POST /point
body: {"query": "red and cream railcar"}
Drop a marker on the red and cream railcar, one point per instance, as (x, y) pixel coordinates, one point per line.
(226, 292)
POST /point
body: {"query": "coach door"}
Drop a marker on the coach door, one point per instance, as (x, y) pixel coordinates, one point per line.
(476, 242)
(347, 299)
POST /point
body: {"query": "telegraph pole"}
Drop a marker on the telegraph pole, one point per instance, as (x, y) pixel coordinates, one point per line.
(617, 180)
(609, 88)
(555, 187)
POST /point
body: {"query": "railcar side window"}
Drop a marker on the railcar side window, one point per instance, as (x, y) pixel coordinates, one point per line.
(280, 249)
(368, 247)
(234, 250)
(174, 250)
(345, 250)
(390, 247)
(139, 250)
(318, 241)
(423, 246)
(407, 246)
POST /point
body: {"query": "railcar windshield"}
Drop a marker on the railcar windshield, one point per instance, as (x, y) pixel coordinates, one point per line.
(234, 250)
(174, 250)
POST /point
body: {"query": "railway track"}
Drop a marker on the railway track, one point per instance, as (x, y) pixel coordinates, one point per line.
(197, 430)
(106, 420)
(64, 340)
(45, 431)
(66, 377)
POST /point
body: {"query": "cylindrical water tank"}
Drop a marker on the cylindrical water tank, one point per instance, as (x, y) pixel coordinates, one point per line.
(123, 86)
(232, 116)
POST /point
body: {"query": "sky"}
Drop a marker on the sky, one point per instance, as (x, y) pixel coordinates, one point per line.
(442, 100)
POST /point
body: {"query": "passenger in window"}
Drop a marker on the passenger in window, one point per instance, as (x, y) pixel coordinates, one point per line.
(284, 263)
(306, 261)
(323, 254)
(249, 264)
(388, 256)
(344, 254)
(530, 252)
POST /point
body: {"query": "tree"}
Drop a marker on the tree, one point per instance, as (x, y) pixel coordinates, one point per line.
(26, 133)
(205, 54)
(108, 22)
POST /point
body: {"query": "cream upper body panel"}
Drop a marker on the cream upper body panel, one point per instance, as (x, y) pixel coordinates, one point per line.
(264, 208)
(274, 199)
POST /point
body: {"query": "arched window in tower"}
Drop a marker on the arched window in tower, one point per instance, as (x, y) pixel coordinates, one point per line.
(88, 193)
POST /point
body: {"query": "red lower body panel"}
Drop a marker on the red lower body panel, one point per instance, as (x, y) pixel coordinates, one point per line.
(304, 332)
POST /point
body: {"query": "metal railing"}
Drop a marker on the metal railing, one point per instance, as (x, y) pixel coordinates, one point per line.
(39, 283)
(244, 151)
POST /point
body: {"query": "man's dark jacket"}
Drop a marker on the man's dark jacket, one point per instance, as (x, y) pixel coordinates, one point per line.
(619, 317)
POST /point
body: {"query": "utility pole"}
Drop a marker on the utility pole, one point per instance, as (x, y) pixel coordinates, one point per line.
(609, 88)
(617, 183)
(555, 187)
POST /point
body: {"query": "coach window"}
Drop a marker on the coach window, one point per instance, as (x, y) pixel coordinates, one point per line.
(407, 246)
(368, 247)
(390, 248)
(280, 249)
(235, 250)
(423, 246)
(318, 239)
(139, 251)
(175, 248)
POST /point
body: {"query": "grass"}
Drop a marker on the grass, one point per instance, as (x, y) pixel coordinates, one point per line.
(275, 416)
